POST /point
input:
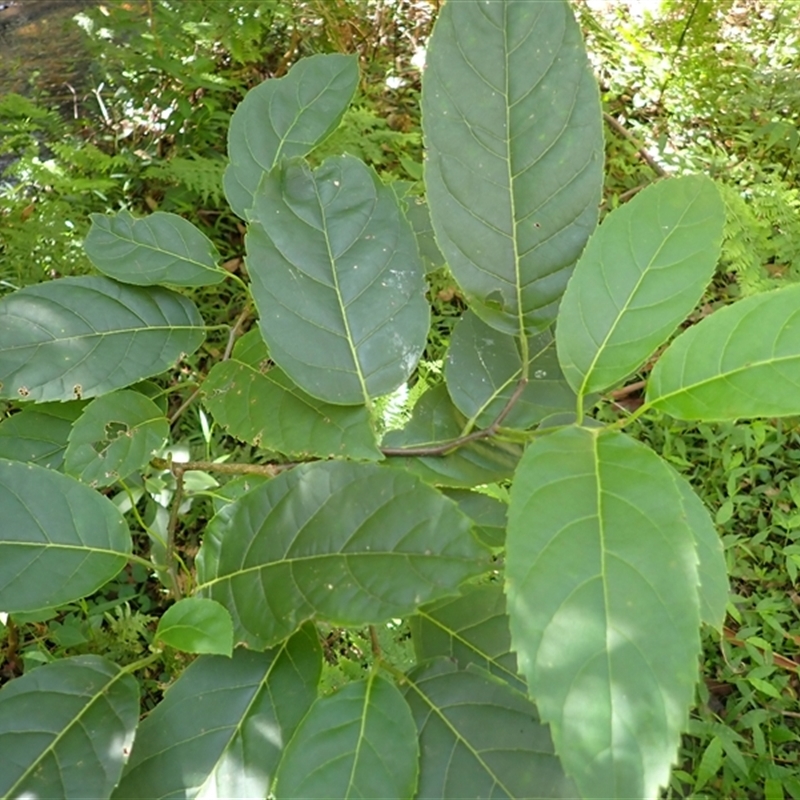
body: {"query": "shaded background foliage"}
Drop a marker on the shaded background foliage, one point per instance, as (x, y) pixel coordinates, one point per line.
(136, 119)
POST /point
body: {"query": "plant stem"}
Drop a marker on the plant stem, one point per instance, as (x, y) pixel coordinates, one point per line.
(172, 526)
(179, 467)
(445, 447)
(141, 663)
(373, 638)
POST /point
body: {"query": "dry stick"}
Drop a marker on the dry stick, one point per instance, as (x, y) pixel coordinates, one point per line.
(626, 134)
(631, 388)
(446, 447)
(179, 467)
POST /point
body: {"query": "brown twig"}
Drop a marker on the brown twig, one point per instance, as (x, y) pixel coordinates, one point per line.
(373, 638)
(626, 134)
(180, 467)
(443, 448)
(172, 526)
(625, 391)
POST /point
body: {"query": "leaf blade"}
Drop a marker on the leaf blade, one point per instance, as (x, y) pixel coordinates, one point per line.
(351, 542)
(39, 433)
(641, 274)
(56, 551)
(283, 118)
(480, 738)
(337, 280)
(469, 629)
(514, 168)
(87, 725)
(116, 435)
(157, 249)
(711, 568)
(197, 625)
(359, 742)
(255, 701)
(742, 361)
(262, 405)
(602, 598)
(81, 337)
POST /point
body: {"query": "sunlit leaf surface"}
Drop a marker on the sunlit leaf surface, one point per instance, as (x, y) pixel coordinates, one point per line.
(602, 586)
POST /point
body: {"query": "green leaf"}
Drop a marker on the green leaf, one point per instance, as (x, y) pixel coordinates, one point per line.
(161, 248)
(487, 513)
(117, 434)
(480, 738)
(742, 361)
(197, 625)
(285, 117)
(81, 337)
(469, 629)
(257, 402)
(601, 579)
(337, 280)
(419, 216)
(39, 433)
(66, 729)
(642, 273)
(436, 420)
(712, 570)
(223, 725)
(710, 763)
(512, 123)
(352, 543)
(59, 540)
(359, 742)
(483, 370)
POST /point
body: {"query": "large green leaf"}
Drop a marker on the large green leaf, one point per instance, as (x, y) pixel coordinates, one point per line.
(221, 728)
(742, 361)
(712, 570)
(257, 402)
(358, 743)
(116, 435)
(511, 115)
(483, 370)
(285, 117)
(82, 337)
(66, 729)
(481, 738)
(643, 271)
(59, 540)
(39, 433)
(602, 586)
(337, 280)
(353, 543)
(470, 629)
(161, 248)
(436, 420)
